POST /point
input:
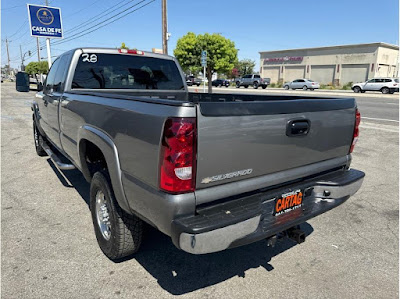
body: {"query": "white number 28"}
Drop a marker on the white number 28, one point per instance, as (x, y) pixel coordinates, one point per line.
(89, 58)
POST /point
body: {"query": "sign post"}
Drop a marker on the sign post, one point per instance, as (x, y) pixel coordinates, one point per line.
(204, 65)
(45, 21)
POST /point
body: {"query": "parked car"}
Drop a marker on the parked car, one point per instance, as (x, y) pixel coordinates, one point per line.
(304, 84)
(252, 80)
(192, 80)
(155, 153)
(384, 85)
(220, 83)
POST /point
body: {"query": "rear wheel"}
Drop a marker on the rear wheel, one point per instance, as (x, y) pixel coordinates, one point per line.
(264, 86)
(385, 90)
(286, 87)
(118, 233)
(356, 89)
(38, 139)
(237, 84)
(305, 87)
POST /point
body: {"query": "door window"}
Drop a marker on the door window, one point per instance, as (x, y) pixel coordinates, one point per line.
(59, 80)
(51, 76)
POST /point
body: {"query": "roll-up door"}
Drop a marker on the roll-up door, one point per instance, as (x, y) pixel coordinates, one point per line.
(294, 72)
(271, 72)
(354, 73)
(323, 74)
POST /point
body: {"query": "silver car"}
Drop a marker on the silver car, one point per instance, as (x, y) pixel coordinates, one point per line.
(384, 85)
(304, 84)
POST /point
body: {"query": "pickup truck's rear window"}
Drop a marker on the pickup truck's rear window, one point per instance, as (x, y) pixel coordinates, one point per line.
(118, 71)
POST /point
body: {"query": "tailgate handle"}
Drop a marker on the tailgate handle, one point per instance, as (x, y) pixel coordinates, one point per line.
(298, 127)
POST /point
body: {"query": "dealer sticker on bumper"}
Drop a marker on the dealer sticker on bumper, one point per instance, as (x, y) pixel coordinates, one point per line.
(288, 202)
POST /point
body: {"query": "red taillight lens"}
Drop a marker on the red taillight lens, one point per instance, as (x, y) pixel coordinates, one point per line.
(126, 51)
(178, 155)
(356, 130)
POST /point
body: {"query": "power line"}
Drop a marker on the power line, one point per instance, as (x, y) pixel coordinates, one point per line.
(98, 16)
(98, 27)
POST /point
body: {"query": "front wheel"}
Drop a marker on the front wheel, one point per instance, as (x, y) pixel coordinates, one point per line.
(38, 139)
(255, 85)
(356, 89)
(286, 87)
(305, 87)
(118, 233)
(385, 90)
(237, 84)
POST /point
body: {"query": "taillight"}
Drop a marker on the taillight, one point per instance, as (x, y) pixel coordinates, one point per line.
(126, 51)
(313, 83)
(356, 130)
(178, 155)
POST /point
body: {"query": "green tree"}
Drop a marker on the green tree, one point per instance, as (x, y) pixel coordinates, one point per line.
(245, 67)
(221, 54)
(35, 67)
(123, 46)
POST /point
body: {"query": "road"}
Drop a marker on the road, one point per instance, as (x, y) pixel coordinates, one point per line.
(49, 249)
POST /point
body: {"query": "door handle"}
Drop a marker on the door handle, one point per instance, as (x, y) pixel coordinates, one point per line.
(298, 127)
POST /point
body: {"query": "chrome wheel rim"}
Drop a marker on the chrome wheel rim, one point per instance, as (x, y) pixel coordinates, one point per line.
(102, 215)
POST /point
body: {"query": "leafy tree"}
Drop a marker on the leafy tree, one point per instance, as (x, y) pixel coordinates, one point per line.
(221, 54)
(245, 67)
(35, 67)
(123, 46)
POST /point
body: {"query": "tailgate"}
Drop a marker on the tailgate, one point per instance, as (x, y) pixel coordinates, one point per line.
(241, 140)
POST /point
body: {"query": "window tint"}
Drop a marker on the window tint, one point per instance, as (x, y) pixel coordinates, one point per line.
(59, 79)
(51, 75)
(117, 71)
(300, 81)
(396, 80)
(387, 80)
(295, 81)
(371, 81)
(379, 80)
(257, 76)
(247, 76)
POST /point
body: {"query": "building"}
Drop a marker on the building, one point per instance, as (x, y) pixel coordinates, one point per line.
(336, 65)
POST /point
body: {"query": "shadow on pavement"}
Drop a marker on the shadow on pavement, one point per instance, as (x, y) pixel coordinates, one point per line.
(179, 272)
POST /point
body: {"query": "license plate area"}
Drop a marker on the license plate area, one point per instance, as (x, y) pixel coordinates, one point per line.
(288, 201)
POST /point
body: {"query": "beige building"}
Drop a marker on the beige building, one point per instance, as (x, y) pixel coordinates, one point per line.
(335, 65)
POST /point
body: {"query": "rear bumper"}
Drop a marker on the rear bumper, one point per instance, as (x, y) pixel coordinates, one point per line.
(248, 219)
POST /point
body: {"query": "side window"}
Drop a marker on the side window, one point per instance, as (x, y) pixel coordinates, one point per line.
(379, 81)
(51, 75)
(257, 76)
(388, 80)
(247, 76)
(295, 81)
(301, 81)
(59, 79)
(371, 81)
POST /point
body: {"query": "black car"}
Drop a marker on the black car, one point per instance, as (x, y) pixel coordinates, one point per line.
(220, 82)
(192, 80)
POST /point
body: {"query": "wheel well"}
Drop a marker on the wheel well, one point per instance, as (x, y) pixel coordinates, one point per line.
(92, 158)
(385, 87)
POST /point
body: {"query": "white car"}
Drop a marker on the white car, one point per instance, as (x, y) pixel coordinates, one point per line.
(384, 85)
(304, 84)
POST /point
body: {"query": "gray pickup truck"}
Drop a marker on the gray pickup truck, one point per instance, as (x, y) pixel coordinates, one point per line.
(212, 171)
(253, 80)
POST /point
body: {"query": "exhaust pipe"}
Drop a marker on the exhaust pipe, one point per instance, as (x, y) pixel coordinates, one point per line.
(296, 234)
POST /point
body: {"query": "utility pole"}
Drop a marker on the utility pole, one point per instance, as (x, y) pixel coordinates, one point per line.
(38, 49)
(164, 27)
(22, 58)
(8, 57)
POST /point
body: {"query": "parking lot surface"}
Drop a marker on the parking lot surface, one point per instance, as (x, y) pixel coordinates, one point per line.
(49, 248)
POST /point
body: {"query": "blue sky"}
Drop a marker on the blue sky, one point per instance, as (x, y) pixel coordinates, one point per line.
(259, 26)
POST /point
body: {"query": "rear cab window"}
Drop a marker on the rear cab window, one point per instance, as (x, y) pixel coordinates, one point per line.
(119, 71)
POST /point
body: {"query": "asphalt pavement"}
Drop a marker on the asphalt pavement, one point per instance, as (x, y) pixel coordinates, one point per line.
(49, 248)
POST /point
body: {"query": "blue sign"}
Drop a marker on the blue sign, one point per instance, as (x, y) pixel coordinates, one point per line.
(45, 21)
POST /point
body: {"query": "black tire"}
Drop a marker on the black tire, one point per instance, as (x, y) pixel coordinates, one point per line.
(305, 88)
(385, 90)
(38, 141)
(264, 86)
(246, 86)
(226, 85)
(286, 87)
(125, 231)
(356, 89)
(255, 85)
(237, 84)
